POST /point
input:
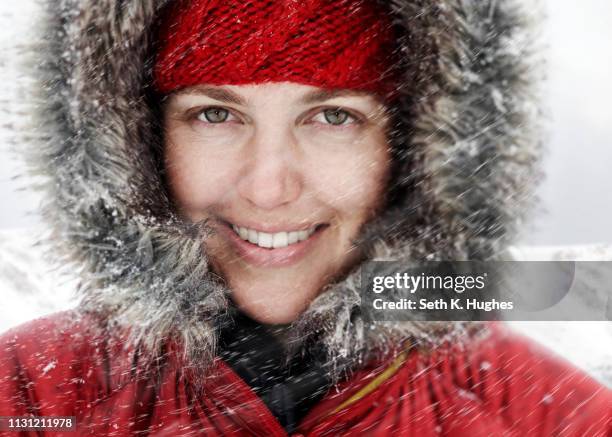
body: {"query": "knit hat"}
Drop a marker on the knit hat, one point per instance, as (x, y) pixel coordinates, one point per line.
(329, 44)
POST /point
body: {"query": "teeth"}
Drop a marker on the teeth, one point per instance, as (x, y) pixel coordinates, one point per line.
(280, 240)
(277, 240)
(292, 237)
(252, 236)
(265, 240)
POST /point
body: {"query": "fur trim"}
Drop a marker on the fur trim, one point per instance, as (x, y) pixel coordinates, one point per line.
(464, 138)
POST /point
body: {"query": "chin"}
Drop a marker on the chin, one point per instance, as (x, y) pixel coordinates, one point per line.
(273, 318)
(272, 310)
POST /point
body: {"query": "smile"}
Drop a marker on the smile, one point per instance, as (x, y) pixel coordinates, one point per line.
(274, 248)
(273, 240)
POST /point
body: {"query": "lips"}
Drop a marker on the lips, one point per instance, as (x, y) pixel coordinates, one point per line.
(272, 249)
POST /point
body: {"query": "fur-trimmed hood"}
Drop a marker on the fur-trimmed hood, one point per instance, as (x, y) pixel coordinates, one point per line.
(464, 138)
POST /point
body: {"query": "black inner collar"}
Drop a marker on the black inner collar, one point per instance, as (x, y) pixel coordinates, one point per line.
(290, 389)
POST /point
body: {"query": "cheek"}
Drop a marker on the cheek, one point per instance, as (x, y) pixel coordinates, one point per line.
(197, 177)
(354, 179)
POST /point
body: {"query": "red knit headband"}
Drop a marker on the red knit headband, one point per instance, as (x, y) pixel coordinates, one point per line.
(329, 44)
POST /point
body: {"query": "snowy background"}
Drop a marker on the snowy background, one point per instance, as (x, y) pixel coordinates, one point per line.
(573, 220)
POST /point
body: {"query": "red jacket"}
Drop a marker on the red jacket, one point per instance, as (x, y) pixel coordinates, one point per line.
(503, 385)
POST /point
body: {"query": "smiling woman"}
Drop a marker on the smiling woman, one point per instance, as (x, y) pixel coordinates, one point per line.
(218, 173)
(286, 176)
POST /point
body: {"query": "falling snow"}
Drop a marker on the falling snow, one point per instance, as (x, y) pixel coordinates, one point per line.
(49, 367)
(31, 288)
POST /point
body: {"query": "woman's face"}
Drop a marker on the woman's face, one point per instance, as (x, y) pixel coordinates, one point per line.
(286, 174)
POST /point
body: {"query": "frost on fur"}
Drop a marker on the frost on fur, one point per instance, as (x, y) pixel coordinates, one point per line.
(465, 147)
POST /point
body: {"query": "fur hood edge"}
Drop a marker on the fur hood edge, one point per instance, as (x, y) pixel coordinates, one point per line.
(468, 149)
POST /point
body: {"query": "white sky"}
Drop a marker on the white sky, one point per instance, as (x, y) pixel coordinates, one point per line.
(576, 203)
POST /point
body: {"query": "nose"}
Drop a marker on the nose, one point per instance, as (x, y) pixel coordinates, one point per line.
(271, 177)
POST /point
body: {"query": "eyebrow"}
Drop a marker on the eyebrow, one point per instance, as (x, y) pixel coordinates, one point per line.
(313, 96)
(316, 96)
(220, 94)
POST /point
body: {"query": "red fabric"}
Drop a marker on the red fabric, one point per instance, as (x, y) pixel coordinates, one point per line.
(504, 385)
(330, 44)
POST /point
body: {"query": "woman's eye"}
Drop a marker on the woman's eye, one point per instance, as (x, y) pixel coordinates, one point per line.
(335, 117)
(214, 115)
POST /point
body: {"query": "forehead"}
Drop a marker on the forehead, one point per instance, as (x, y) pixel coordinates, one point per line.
(287, 91)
